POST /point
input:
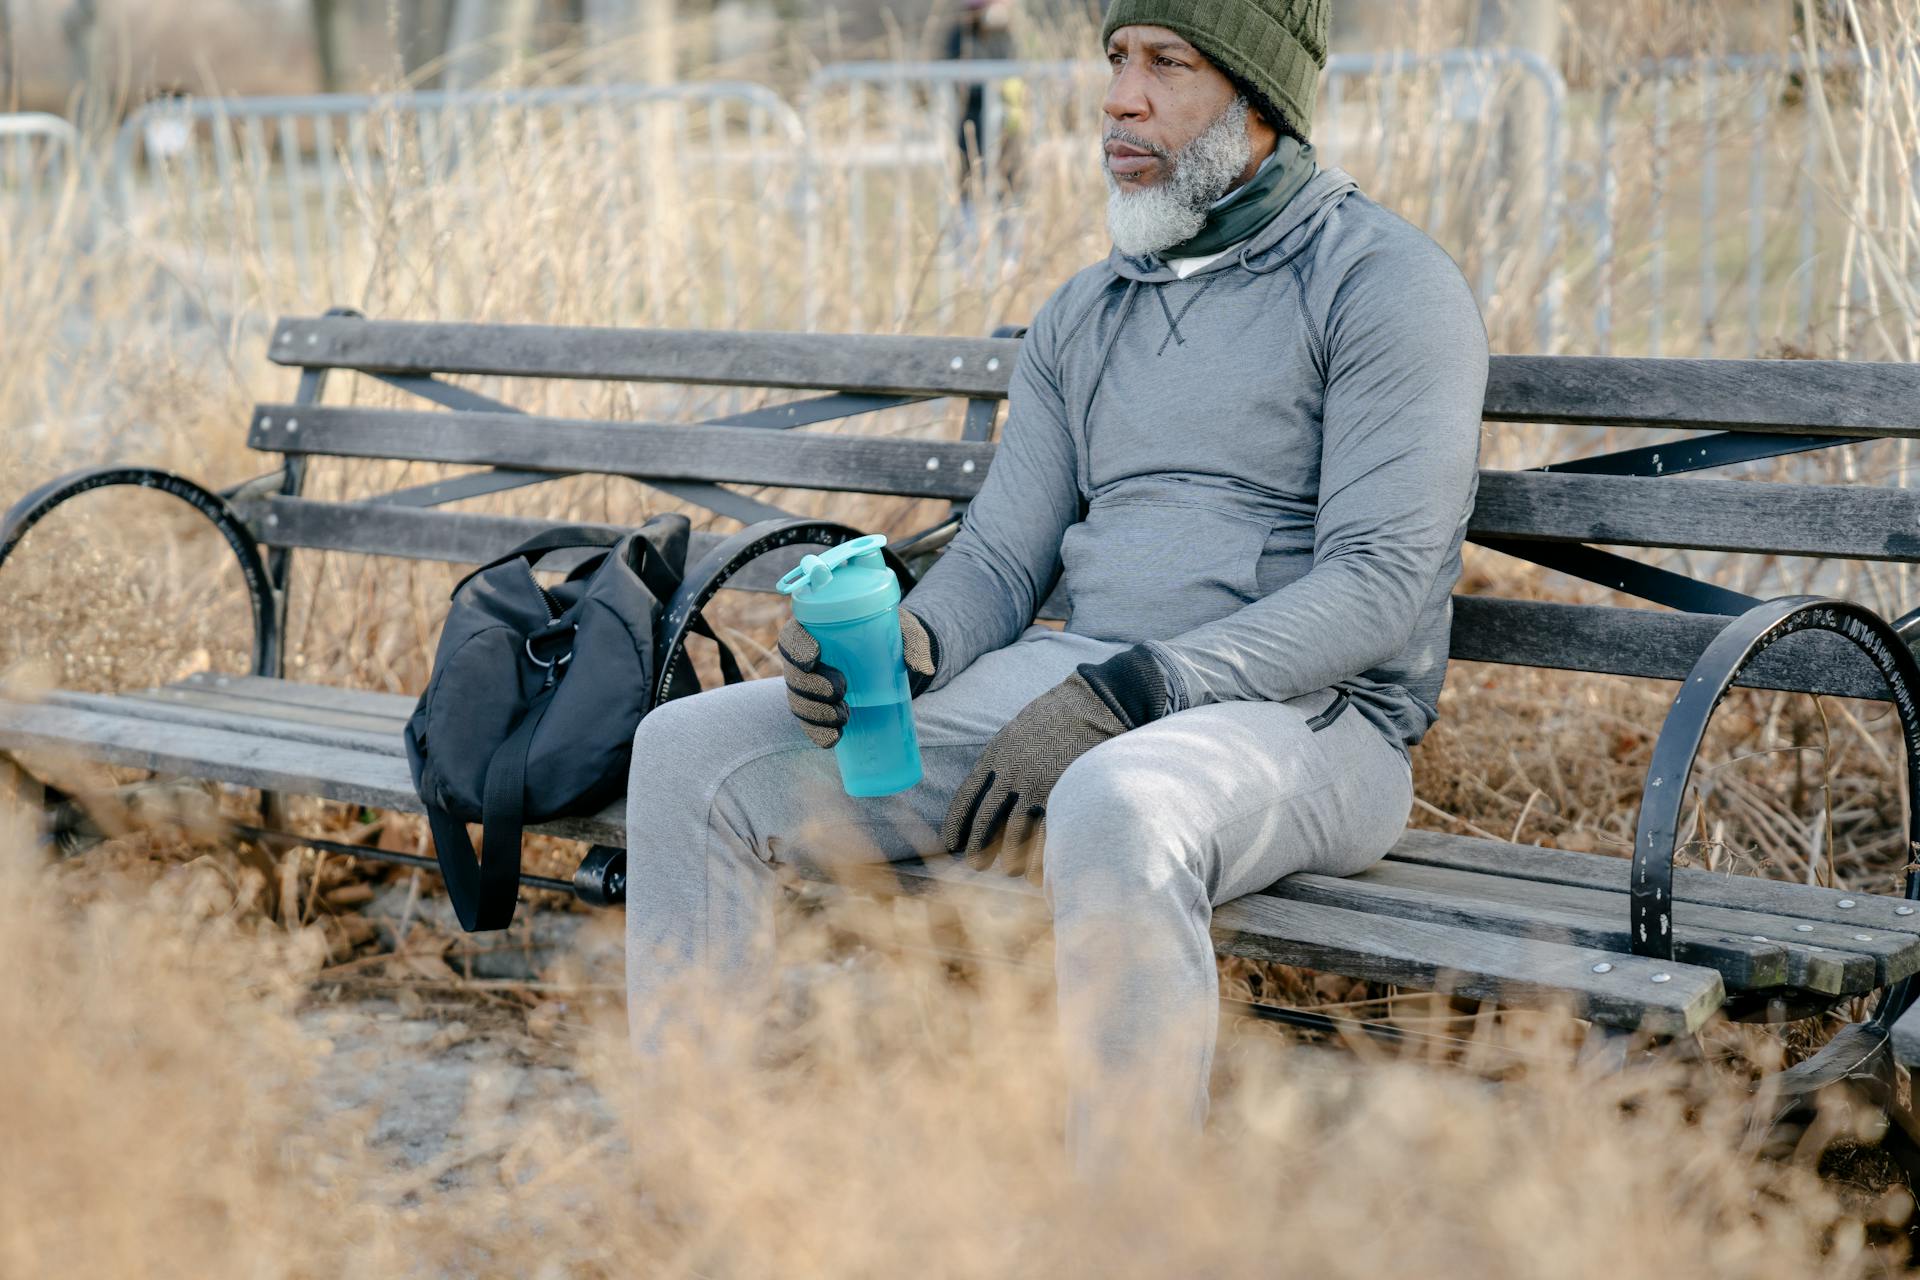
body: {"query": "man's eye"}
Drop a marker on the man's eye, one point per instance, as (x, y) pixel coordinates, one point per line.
(1171, 62)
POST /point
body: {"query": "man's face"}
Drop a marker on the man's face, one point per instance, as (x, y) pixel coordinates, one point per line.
(1178, 137)
(1164, 93)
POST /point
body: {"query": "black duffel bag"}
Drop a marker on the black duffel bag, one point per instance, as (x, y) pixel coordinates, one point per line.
(536, 691)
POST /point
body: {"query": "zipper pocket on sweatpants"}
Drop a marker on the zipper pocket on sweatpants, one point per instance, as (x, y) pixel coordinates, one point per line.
(1332, 713)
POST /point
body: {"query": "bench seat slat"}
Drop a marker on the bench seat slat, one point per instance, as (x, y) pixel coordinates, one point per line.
(1870, 913)
(1827, 960)
(238, 704)
(876, 364)
(789, 459)
(1859, 522)
(1464, 961)
(394, 707)
(249, 760)
(1743, 964)
(266, 722)
(1659, 644)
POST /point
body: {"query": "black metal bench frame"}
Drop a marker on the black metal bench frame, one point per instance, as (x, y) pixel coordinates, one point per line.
(1713, 640)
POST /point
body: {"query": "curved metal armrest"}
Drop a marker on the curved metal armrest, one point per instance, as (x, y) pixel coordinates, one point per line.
(1707, 683)
(35, 506)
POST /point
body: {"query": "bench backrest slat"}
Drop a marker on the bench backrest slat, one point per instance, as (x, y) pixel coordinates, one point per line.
(1855, 522)
(744, 455)
(1797, 396)
(1813, 397)
(867, 363)
(1645, 642)
(450, 537)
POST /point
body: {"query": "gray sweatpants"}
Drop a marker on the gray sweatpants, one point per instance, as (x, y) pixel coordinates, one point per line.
(1145, 834)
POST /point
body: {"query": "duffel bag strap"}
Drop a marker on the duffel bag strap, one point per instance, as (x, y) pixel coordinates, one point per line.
(561, 539)
(705, 579)
(484, 890)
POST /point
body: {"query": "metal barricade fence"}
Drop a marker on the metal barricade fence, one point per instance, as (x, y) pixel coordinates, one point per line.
(39, 157)
(299, 189)
(1667, 248)
(889, 137)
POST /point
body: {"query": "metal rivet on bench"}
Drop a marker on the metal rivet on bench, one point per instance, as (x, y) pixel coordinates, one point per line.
(1803, 928)
(933, 464)
(1863, 937)
(1903, 911)
(1663, 977)
(286, 335)
(993, 365)
(266, 423)
(1759, 937)
(1845, 902)
(272, 520)
(967, 466)
(313, 339)
(1603, 967)
(293, 424)
(958, 363)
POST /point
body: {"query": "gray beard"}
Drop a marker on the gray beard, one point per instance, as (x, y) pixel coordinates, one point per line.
(1145, 220)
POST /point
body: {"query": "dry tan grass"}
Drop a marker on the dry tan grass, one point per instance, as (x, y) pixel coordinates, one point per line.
(167, 1116)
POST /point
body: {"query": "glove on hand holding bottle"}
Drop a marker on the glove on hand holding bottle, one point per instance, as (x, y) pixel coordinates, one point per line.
(817, 692)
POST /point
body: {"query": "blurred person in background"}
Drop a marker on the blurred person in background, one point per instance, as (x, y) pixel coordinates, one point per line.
(1246, 444)
(983, 32)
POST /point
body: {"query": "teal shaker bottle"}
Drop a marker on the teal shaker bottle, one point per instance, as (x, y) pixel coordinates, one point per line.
(849, 601)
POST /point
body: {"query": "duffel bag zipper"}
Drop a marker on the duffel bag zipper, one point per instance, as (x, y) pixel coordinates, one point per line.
(553, 608)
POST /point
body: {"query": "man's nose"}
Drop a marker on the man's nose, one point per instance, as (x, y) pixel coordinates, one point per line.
(1126, 96)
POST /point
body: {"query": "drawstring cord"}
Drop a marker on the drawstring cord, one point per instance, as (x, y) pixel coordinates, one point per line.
(1099, 372)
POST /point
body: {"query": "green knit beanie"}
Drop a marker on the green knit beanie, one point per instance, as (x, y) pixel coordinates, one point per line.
(1276, 46)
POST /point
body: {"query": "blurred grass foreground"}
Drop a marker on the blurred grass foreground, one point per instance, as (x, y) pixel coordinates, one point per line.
(209, 1046)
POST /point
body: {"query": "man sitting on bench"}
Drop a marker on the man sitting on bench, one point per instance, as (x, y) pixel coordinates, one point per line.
(1249, 439)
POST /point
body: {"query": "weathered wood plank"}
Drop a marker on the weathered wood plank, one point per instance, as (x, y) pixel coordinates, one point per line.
(1869, 913)
(248, 760)
(643, 450)
(1797, 397)
(876, 364)
(1861, 522)
(392, 707)
(452, 537)
(238, 705)
(1826, 959)
(263, 724)
(1463, 903)
(1465, 962)
(1470, 963)
(1659, 644)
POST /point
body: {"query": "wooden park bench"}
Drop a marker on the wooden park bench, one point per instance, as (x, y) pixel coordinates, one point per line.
(1635, 944)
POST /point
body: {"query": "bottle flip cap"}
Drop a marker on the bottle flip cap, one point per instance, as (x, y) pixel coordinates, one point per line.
(850, 581)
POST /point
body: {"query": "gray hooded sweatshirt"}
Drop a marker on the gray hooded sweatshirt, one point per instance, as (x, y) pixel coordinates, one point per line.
(1262, 472)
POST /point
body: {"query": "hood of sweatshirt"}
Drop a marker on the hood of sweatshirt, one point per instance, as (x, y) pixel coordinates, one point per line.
(1311, 203)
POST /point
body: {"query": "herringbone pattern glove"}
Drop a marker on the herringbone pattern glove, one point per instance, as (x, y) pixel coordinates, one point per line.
(1016, 773)
(817, 692)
